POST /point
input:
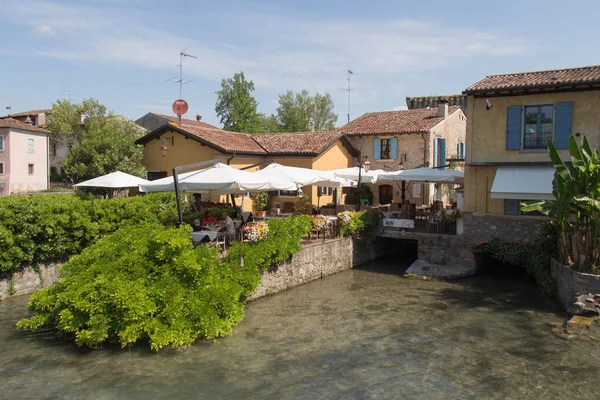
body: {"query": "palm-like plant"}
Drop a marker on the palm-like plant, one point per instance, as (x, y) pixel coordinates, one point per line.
(576, 208)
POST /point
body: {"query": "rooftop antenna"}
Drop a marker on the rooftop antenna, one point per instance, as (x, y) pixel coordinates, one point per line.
(9, 108)
(70, 93)
(350, 73)
(181, 82)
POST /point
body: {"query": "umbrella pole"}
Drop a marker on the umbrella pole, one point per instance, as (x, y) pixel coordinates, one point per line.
(177, 197)
(235, 214)
(403, 197)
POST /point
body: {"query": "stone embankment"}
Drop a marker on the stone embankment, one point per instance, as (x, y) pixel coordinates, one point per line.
(579, 293)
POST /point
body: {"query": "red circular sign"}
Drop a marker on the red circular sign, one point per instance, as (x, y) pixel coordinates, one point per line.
(180, 107)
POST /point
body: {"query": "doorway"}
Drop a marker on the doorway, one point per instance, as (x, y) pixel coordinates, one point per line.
(386, 194)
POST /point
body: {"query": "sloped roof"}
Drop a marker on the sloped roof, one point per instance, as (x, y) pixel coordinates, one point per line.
(26, 113)
(309, 143)
(558, 78)
(191, 122)
(433, 101)
(419, 120)
(16, 124)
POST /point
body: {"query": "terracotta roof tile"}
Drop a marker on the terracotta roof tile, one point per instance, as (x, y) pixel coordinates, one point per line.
(296, 142)
(226, 140)
(26, 113)
(16, 124)
(404, 121)
(538, 79)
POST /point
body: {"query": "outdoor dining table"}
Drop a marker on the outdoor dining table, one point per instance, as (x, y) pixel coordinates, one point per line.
(210, 231)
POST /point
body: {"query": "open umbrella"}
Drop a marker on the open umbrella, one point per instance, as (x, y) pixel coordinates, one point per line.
(424, 175)
(303, 176)
(115, 180)
(352, 174)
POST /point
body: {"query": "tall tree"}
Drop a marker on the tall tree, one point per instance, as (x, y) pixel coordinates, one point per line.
(236, 107)
(298, 112)
(68, 121)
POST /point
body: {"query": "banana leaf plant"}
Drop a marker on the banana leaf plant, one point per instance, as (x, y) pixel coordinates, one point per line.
(576, 208)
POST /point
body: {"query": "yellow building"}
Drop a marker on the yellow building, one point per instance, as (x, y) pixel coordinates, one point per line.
(173, 144)
(510, 119)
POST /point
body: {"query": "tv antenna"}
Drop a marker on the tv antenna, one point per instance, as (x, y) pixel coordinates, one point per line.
(180, 65)
(349, 90)
(70, 93)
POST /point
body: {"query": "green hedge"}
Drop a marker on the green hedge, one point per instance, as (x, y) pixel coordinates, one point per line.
(149, 283)
(49, 228)
(360, 225)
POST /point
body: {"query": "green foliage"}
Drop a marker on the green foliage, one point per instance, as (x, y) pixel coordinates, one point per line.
(236, 107)
(47, 228)
(359, 225)
(576, 208)
(534, 257)
(303, 204)
(106, 146)
(301, 112)
(145, 283)
(65, 121)
(260, 201)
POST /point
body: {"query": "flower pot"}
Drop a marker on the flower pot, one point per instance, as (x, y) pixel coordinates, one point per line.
(261, 214)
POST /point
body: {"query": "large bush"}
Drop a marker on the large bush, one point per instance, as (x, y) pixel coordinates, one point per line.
(149, 283)
(144, 283)
(359, 224)
(46, 228)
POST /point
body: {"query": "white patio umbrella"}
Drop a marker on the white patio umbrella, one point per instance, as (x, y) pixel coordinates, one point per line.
(424, 175)
(115, 180)
(303, 176)
(352, 174)
(219, 179)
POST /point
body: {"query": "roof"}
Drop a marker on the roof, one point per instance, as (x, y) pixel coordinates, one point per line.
(557, 78)
(16, 124)
(186, 121)
(26, 113)
(433, 101)
(420, 120)
(309, 143)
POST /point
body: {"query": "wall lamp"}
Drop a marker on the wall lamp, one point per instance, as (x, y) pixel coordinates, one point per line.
(163, 142)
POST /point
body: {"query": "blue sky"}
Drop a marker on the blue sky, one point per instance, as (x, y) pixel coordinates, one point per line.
(121, 52)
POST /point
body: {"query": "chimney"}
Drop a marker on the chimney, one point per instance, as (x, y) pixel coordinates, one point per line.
(28, 120)
(198, 117)
(443, 108)
(82, 118)
(41, 118)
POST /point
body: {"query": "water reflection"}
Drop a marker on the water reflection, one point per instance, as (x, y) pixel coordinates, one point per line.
(364, 334)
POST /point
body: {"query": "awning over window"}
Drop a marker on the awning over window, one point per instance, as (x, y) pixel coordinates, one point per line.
(523, 183)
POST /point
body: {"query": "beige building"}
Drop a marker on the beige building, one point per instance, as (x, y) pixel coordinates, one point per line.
(23, 157)
(393, 140)
(511, 118)
(175, 144)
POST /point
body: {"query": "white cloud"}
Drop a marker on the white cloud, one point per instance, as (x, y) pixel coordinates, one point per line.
(284, 51)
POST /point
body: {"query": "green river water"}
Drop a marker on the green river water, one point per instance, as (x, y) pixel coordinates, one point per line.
(361, 334)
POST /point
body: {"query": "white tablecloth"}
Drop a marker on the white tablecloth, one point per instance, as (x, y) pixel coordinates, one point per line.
(197, 237)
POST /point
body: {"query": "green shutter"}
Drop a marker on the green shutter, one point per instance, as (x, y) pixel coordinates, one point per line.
(513, 128)
(563, 115)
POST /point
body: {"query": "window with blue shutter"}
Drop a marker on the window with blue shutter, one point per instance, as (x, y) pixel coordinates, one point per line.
(442, 151)
(462, 150)
(376, 149)
(394, 148)
(435, 152)
(513, 128)
(563, 124)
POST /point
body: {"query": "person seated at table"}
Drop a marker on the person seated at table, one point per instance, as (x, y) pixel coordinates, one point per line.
(227, 223)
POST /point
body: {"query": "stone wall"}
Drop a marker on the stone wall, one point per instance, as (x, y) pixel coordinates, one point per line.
(481, 227)
(29, 280)
(572, 284)
(318, 260)
(446, 249)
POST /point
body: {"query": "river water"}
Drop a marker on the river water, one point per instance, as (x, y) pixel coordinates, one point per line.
(361, 334)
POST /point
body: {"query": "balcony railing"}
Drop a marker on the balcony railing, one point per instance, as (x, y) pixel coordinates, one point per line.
(535, 141)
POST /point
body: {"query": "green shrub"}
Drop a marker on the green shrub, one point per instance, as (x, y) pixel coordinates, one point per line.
(534, 257)
(145, 282)
(48, 228)
(360, 225)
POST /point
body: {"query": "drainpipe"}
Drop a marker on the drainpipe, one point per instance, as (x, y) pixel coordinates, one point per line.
(232, 196)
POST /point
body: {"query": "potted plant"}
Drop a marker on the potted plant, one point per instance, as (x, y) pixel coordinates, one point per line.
(261, 203)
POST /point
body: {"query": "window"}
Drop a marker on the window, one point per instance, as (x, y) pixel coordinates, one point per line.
(439, 153)
(460, 150)
(385, 149)
(416, 189)
(30, 169)
(324, 191)
(513, 207)
(30, 146)
(539, 126)
(1, 143)
(1, 168)
(53, 149)
(154, 175)
(288, 193)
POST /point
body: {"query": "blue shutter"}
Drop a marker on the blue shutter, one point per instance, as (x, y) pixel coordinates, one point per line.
(462, 150)
(376, 149)
(435, 152)
(562, 124)
(513, 128)
(457, 150)
(394, 148)
(442, 150)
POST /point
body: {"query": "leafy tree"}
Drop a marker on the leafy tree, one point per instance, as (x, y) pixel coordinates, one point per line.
(236, 107)
(106, 145)
(300, 112)
(68, 121)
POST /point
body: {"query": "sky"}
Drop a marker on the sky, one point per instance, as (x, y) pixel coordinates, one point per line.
(124, 52)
